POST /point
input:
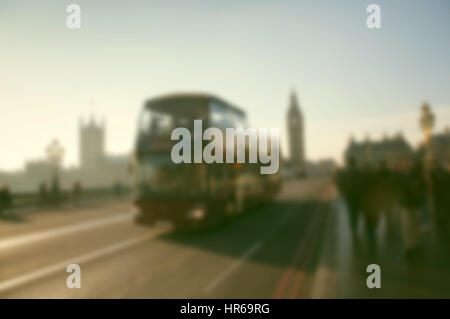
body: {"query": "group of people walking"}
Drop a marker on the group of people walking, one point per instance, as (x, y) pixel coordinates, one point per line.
(407, 198)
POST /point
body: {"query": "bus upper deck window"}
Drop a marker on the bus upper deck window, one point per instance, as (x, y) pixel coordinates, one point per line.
(144, 121)
(159, 124)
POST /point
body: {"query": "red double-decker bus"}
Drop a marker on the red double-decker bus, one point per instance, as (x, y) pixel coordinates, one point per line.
(192, 193)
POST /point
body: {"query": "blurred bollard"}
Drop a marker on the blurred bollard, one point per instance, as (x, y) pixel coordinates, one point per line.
(118, 189)
(77, 191)
(5, 199)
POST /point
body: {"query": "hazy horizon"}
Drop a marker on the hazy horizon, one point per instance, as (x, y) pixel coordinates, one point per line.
(350, 80)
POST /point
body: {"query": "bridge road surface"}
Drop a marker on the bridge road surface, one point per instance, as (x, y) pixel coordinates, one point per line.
(270, 252)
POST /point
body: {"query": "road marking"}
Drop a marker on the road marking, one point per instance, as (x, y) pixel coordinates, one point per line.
(290, 271)
(65, 230)
(325, 280)
(247, 254)
(297, 284)
(61, 266)
(252, 250)
(314, 240)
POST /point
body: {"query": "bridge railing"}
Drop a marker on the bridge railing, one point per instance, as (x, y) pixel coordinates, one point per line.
(36, 201)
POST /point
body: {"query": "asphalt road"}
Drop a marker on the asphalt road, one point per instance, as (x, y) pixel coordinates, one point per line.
(270, 252)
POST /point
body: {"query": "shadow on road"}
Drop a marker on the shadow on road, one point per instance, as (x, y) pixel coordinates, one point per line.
(283, 228)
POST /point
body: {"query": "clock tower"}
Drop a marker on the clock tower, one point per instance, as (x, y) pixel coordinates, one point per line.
(296, 134)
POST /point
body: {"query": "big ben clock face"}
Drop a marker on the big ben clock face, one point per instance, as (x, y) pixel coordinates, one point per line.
(200, 149)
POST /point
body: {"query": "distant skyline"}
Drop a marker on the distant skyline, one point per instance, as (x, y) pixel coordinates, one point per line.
(349, 80)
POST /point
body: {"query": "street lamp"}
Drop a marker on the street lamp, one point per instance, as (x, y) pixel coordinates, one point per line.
(55, 153)
(427, 121)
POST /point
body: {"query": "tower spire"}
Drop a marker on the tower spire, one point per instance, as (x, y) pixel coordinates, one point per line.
(296, 134)
(294, 106)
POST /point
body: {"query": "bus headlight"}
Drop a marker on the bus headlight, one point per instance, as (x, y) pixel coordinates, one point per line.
(196, 213)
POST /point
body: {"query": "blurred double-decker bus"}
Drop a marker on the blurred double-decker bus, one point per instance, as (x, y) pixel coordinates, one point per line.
(188, 194)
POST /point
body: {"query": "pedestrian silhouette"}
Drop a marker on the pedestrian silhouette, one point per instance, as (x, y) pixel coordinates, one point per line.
(5, 199)
(348, 182)
(43, 194)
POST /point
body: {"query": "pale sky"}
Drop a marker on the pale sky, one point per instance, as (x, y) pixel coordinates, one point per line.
(350, 80)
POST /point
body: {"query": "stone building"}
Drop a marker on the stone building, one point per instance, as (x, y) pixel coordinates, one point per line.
(394, 152)
(96, 169)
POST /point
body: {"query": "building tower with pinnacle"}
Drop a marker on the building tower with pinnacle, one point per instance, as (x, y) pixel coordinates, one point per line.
(92, 143)
(296, 134)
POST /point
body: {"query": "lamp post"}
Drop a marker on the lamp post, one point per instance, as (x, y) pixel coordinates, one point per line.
(55, 153)
(427, 121)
